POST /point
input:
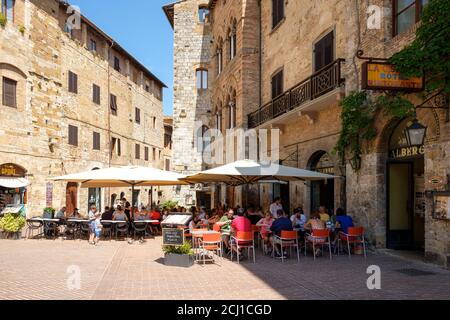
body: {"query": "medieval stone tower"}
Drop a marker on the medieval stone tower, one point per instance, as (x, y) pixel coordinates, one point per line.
(191, 105)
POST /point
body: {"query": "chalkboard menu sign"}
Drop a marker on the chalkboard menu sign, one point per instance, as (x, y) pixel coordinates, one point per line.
(173, 237)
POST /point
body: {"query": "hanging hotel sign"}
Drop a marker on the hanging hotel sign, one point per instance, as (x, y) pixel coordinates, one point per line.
(383, 76)
(407, 152)
(11, 170)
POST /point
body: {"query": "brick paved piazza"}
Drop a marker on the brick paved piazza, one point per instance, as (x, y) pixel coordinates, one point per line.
(37, 269)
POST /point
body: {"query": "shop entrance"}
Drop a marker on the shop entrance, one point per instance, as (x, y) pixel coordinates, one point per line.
(406, 193)
(322, 192)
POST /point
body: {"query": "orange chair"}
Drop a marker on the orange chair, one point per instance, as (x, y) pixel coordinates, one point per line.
(216, 227)
(318, 238)
(354, 236)
(288, 239)
(243, 240)
(212, 243)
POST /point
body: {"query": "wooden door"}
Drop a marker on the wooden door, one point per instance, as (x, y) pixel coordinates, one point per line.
(71, 197)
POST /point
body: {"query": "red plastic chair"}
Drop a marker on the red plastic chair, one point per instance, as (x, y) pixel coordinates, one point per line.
(318, 238)
(354, 236)
(287, 239)
(216, 227)
(243, 240)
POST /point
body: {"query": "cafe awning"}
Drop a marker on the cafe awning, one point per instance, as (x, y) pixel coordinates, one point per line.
(13, 183)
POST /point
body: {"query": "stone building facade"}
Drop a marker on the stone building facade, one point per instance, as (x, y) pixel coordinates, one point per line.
(82, 102)
(192, 94)
(302, 61)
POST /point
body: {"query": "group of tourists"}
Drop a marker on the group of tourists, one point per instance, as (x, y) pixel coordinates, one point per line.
(272, 222)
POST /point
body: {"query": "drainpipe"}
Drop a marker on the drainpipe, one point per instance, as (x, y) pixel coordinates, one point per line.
(109, 115)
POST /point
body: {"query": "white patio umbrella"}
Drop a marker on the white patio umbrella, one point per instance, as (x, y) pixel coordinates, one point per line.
(246, 172)
(133, 176)
(123, 176)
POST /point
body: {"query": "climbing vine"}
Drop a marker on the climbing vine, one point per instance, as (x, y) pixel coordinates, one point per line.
(427, 56)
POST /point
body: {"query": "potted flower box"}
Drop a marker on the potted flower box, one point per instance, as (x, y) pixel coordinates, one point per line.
(179, 256)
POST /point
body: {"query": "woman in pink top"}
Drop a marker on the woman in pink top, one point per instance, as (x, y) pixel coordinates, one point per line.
(265, 224)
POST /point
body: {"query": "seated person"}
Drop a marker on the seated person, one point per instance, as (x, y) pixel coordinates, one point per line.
(107, 214)
(324, 216)
(315, 223)
(241, 224)
(298, 219)
(343, 221)
(254, 216)
(282, 223)
(141, 215)
(119, 214)
(195, 223)
(75, 214)
(225, 228)
(61, 214)
(265, 224)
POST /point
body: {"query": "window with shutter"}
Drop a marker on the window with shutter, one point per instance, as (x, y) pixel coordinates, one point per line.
(113, 104)
(324, 52)
(277, 12)
(73, 135)
(96, 94)
(137, 115)
(96, 144)
(146, 153)
(9, 96)
(119, 148)
(93, 46)
(277, 84)
(117, 64)
(138, 151)
(73, 82)
(154, 154)
(167, 164)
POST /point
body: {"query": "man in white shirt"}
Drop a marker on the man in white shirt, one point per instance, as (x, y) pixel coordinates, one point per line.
(275, 206)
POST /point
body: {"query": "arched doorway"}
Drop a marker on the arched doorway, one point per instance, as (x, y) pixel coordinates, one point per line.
(405, 192)
(71, 196)
(322, 192)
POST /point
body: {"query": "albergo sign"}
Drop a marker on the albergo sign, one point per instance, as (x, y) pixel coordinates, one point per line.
(383, 76)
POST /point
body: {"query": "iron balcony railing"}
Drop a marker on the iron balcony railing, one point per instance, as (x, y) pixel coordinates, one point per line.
(323, 81)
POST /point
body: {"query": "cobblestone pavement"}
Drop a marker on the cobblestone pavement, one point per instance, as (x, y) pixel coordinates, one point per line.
(38, 269)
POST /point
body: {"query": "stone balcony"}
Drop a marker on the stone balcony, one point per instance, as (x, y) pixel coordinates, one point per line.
(312, 94)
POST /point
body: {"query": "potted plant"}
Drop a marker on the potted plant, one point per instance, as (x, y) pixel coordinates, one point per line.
(169, 205)
(179, 256)
(12, 224)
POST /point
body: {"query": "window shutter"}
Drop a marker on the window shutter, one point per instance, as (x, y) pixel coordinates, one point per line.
(119, 148)
(9, 93)
(146, 153)
(73, 135)
(113, 105)
(138, 151)
(138, 115)
(96, 144)
(73, 82)
(96, 94)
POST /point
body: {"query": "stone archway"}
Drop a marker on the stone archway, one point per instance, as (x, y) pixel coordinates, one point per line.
(322, 193)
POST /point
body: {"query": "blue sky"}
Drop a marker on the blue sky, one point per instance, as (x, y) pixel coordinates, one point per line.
(141, 27)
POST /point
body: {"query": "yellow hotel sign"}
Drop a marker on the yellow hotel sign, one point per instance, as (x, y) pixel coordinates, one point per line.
(383, 76)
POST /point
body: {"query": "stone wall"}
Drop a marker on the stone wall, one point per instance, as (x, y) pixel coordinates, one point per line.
(192, 107)
(35, 135)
